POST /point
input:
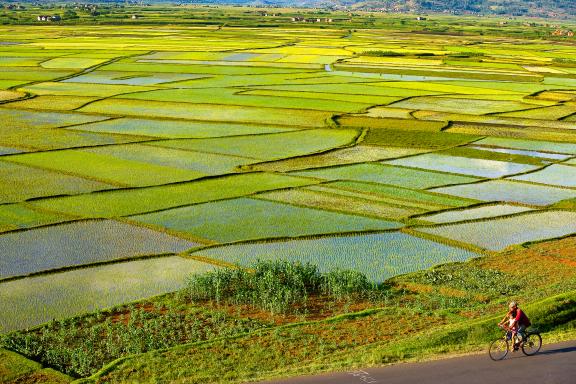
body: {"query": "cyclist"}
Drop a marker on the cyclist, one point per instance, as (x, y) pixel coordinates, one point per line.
(518, 322)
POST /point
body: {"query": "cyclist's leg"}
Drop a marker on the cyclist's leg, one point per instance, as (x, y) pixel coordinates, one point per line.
(522, 333)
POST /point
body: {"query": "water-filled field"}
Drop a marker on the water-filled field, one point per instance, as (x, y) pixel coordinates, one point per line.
(473, 213)
(333, 146)
(379, 256)
(38, 299)
(79, 243)
(500, 233)
(510, 191)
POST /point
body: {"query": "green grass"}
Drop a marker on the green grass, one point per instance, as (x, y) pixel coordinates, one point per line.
(248, 219)
(270, 146)
(134, 201)
(209, 112)
(13, 365)
(81, 352)
(326, 346)
(105, 168)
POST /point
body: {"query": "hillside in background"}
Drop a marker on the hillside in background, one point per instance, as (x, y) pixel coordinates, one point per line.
(532, 8)
(547, 8)
(536, 8)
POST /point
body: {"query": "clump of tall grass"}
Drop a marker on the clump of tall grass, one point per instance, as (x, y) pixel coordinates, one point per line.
(280, 286)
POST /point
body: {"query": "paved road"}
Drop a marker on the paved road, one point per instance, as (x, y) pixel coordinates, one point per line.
(555, 364)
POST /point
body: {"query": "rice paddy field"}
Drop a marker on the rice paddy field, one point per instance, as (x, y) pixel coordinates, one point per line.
(133, 156)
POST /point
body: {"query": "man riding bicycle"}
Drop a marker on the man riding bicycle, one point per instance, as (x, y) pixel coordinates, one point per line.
(518, 322)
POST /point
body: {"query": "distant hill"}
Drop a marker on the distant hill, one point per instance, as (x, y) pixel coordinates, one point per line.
(541, 8)
(532, 8)
(537, 8)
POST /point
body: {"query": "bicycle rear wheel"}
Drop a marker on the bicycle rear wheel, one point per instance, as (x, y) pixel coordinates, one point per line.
(498, 349)
(532, 344)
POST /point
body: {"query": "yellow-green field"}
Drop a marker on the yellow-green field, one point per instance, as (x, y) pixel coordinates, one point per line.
(384, 153)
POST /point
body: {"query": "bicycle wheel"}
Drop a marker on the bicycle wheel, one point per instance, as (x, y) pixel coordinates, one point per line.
(498, 349)
(532, 344)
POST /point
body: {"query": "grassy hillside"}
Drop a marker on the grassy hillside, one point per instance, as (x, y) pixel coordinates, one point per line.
(290, 319)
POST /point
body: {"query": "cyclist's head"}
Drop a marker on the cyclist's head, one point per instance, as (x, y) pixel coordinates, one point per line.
(513, 305)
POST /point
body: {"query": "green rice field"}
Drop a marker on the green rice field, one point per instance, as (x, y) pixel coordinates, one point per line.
(250, 219)
(126, 151)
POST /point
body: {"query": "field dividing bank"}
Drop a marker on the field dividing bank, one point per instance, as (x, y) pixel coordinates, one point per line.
(133, 201)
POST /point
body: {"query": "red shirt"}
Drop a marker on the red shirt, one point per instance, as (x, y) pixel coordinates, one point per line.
(521, 318)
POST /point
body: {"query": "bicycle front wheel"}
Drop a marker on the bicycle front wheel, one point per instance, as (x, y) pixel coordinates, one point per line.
(532, 344)
(498, 349)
